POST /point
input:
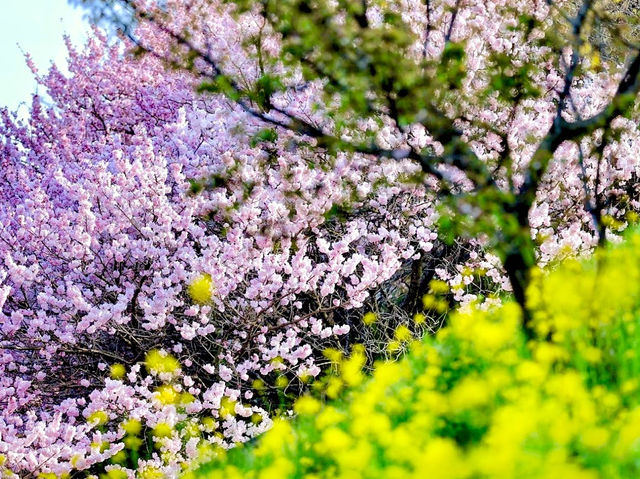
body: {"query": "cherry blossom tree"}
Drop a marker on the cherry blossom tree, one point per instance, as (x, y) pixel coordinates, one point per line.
(481, 96)
(107, 254)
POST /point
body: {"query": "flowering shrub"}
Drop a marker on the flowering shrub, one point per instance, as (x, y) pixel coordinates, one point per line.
(106, 254)
(479, 400)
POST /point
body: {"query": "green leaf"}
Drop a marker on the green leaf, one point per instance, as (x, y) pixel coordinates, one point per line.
(268, 135)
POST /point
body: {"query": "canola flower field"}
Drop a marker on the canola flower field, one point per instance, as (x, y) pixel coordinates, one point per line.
(480, 400)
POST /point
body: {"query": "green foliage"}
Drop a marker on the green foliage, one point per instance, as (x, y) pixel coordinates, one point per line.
(512, 82)
(267, 135)
(220, 84)
(265, 87)
(367, 65)
(479, 400)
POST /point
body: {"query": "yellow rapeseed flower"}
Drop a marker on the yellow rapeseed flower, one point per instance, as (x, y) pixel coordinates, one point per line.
(132, 426)
(117, 371)
(282, 382)
(132, 442)
(333, 440)
(158, 361)
(98, 417)
(167, 394)
(227, 407)
(438, 286)
(369, 318)
(332, 354)
(162, 430)
(201, 289)
(119, 457)
(117, 474)
(307, 406)
(209, 424)
(150, 472)
(402, 333)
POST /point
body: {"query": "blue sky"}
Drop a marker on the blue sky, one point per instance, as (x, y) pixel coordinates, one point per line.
(37, 27)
